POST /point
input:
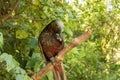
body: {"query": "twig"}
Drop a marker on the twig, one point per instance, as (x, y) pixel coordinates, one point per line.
(10, 14)
(77, 41)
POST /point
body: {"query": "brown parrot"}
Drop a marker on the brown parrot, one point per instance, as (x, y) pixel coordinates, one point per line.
(51, 43)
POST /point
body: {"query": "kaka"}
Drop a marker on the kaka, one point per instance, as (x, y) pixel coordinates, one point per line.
(51, 43)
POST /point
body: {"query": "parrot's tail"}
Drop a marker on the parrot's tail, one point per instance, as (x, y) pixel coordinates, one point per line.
(59, 72)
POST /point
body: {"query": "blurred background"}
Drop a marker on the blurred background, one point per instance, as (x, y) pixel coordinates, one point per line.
(21, 21)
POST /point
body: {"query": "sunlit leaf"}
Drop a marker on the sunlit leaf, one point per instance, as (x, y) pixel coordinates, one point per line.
(22, 77)
(36, 2)
(66, 17)
(21, 34)
(11, 63)
(13, 13)
(1, 40)
(68, 31)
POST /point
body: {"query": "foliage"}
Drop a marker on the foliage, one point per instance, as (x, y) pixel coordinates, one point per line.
(96, 59)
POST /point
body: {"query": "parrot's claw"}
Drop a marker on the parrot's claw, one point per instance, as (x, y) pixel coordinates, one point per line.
(52, 59)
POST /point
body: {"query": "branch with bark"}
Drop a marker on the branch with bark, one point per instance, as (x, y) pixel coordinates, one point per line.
(10, 14)
(77, 41)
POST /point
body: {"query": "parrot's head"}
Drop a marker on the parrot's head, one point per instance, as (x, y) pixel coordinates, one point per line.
(56, 26)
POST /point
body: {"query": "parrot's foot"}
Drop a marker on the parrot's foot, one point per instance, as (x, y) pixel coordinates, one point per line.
(52, 59)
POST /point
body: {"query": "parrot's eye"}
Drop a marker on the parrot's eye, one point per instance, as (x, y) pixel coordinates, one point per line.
(59, 29)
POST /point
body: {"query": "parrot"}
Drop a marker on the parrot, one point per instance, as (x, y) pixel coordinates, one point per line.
(51, 42)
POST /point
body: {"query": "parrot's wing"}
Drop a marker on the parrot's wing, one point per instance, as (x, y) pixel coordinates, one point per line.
(42, 53)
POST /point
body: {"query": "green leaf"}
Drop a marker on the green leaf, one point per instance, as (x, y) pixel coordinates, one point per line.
(19, 70)
(33, 42)
(22, 77)
(35, 62)
(1, 40)
(37, 66)
(13, 66)
(68, 31)
(21, 34)
(11, 63)
(50, 75)
(13, 13)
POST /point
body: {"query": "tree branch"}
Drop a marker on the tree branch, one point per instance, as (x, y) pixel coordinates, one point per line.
(10, 14)
(77, 41)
